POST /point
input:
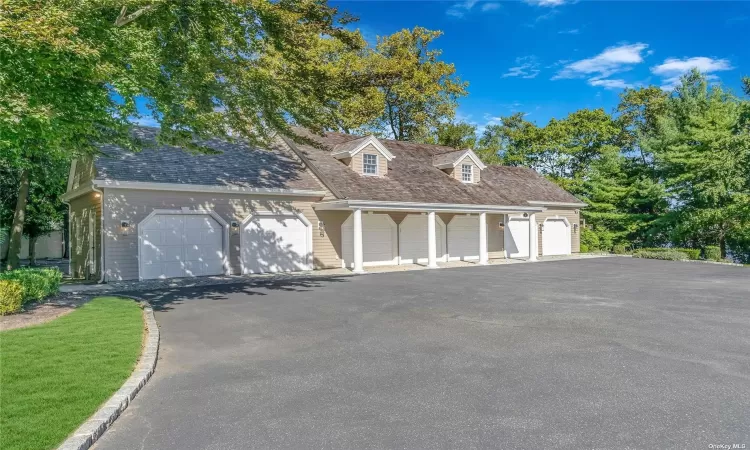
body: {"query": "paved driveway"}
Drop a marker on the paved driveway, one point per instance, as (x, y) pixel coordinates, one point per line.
(602, 353)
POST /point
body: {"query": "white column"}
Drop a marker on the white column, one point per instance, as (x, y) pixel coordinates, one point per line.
(431, 241)
(358, 254)
(483, 238)
(533, 237)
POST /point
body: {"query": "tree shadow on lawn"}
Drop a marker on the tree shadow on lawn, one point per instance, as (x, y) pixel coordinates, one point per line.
(165, 299)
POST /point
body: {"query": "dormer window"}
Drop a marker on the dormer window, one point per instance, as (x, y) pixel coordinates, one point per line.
(466, 173)
(370, 164)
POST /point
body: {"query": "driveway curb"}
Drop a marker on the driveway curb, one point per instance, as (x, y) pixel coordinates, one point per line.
(91, 430)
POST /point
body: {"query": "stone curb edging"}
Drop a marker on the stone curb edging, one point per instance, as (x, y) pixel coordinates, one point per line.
(91, 430)
(700, 261)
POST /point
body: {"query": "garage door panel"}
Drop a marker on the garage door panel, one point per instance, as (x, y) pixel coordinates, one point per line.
(379, 238)
(276, 244)
(177, 245)
(413, 245)
(517, 237)
(463, 238)
(555, 237)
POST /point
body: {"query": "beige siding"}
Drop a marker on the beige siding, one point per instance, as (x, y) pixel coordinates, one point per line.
(456, 172)
(84, 172)
(573, 217)
(356, 163)
(121, 249)
(81, 250)
(495, 236)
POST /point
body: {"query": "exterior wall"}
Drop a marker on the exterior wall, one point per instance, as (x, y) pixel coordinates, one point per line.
(495, 236)
(456, 172)
(121, 246)
(81, 249)
(49, 246)
(84, 172)
(573, 216)
(356, 162)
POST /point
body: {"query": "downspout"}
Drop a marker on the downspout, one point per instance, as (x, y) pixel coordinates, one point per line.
(67, 242)
(101, 234)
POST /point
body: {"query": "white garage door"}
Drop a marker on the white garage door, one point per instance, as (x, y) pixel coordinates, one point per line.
(412, 239)
(181, 245)
(555, 237)
(463, 238)
(517, 237)
(379, 237)
(275, 244)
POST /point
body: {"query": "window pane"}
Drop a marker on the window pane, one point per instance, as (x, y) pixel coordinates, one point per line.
(370, 164)
(466, 172)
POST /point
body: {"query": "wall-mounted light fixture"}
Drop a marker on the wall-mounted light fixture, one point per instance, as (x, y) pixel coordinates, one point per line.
(501, 226)
(235, 226)
(321, 228)
(124, 227)
(541, 227)
(526, 214)
(575, 228)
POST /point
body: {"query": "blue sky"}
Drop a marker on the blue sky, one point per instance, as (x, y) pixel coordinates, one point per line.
(551, 57)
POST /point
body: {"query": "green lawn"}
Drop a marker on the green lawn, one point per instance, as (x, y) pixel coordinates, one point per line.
(54, 376)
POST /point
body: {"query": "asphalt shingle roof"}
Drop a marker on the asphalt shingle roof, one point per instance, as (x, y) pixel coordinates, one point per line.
(237, 165)
(412, 177)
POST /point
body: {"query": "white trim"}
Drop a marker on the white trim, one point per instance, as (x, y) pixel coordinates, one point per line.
(563, 204)
(81, 190)
(71, 174)
(376, 205)
(295, 214)
(470, 153)
(114, 184)
(377, 165)
(394, 242)
(368, 140)
(556, 217)
(214, 215)
(101, 235)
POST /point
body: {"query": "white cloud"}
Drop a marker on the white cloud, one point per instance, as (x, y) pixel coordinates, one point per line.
(460, 9)
(548, 3)
(610, 84)
(571, 31)
(526, 67)
(611, 60)
(673, 68)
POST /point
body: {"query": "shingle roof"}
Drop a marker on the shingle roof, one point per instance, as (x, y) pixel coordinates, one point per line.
(237, 165)
(447, 158)
(413, 178)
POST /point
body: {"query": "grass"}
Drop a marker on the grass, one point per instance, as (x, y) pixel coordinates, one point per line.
(55, 375)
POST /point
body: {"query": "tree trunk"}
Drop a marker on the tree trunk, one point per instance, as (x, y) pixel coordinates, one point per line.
(723, 246)
(66, 234)
(16, 231)
(32, 251)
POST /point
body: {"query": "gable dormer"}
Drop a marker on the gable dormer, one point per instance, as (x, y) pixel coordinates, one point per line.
(463, 165)
(366, 156)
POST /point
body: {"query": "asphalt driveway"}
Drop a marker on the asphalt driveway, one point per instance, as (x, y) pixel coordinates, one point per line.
(597, 353)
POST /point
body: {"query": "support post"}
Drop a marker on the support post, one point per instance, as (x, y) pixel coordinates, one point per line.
(483, 258)
(431, 241)
(533, 237)
(358, 253)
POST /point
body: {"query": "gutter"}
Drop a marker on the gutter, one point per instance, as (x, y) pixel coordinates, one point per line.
(562, 204)
(413, 206)
(206, 188)
(311, 166)
(101, 236)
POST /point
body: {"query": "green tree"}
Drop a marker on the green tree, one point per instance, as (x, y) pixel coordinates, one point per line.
(418, 90)
(511, 142)
(459, 135)
(73, 70)
(703, 148)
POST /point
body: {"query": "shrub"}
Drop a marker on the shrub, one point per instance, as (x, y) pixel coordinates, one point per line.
(713, 253)
(619, 249)
(691, 253)
(11, 297)
(36, 283)
(667, 255)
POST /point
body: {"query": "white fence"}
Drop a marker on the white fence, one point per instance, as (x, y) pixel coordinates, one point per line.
(49, 246)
